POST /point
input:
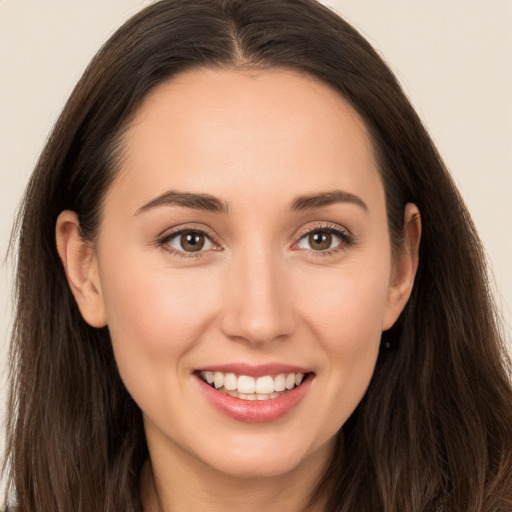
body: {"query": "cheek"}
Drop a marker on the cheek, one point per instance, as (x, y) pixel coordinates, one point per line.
(155, 317)
(157, 308)
(348, 309)
(347, 322)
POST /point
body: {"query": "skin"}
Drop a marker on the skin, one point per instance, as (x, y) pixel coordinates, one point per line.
(257, 294)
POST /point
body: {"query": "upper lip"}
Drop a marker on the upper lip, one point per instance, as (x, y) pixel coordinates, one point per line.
(254, 370)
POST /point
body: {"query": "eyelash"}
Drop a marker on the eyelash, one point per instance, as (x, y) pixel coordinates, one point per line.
(347, 240)
(163, 241)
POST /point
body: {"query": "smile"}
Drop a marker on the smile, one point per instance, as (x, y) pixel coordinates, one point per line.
(254, 394)
(246, 387)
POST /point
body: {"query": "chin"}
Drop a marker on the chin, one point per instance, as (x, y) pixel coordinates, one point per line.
(264, 460)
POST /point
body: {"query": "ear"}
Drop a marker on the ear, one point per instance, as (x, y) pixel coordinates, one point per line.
(81, 267)
(405, 265)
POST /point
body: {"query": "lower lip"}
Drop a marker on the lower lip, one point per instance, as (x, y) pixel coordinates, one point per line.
(255, 411)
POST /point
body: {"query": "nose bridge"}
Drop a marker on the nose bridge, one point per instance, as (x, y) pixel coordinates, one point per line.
(257, 305)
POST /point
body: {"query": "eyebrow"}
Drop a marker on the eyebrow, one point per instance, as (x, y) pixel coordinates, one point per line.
(310, 202)
(209, 203)
(204, 202)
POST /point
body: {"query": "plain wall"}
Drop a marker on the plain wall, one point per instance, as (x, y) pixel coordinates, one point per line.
(454, 58)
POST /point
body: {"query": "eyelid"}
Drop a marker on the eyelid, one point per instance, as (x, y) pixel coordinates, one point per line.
(163, 239)
(343, 233)
(326, 226)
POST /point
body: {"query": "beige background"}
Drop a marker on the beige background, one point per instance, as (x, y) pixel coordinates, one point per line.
(454, 58)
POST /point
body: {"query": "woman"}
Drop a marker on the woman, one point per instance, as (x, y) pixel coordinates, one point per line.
(265, 291)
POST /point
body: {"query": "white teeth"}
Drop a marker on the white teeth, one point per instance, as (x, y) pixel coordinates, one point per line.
(230, 381)
(247, 396)
(218, 379)
(265, 385)
(280, 382)
(252, 396)
(290, 381)
(260, 388)
(246, 384)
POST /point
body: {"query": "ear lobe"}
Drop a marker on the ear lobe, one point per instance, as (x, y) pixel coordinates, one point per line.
(404, 267)
(81, 267)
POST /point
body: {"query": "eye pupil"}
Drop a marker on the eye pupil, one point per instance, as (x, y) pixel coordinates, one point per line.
(320, 240)
(192, 242)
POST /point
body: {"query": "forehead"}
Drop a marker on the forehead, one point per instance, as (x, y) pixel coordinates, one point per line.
(221, 131)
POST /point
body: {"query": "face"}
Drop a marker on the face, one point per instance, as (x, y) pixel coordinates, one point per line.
(243, 267)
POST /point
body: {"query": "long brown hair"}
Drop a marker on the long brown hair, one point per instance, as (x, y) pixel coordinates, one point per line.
(434, 430)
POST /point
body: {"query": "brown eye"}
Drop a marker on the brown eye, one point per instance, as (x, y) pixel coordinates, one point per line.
(190, 241)
(320, 240)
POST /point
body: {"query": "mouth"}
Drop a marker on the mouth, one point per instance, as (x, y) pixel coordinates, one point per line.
(255, 394)
(247, 387)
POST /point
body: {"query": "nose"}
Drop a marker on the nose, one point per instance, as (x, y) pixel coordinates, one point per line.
(258, 302)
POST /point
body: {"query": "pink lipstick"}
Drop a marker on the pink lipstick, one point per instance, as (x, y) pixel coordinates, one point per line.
(254, 394)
